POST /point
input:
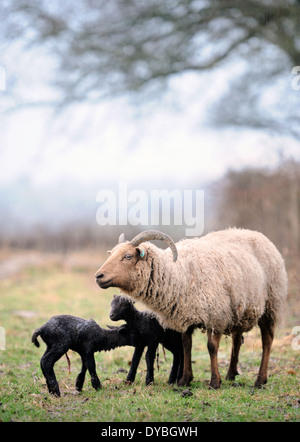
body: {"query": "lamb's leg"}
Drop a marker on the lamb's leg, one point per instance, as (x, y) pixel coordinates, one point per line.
(134, 364)
(237, 341)
(175, 368)
(91, 366)
(150, 357)
(180, 365)
(213, 346)
(187, 375)
(48, 360)
(81, 377)
(267, 336)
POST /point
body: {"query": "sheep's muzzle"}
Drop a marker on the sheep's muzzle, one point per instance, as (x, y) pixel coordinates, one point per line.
(102, 282)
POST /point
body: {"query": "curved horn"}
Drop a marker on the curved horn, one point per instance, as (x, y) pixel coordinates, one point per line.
(155, 234)
(122, 238)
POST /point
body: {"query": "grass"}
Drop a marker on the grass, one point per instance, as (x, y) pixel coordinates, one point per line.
(44, 285)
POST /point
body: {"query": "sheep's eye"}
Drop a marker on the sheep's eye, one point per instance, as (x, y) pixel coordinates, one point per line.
(128, 256)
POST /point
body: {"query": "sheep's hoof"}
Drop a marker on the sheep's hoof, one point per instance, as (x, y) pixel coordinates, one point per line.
(185, 381)
(215, 383)
(231, 375)
(260, 383)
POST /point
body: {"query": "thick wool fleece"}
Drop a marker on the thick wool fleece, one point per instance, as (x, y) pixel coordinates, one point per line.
(223, 281)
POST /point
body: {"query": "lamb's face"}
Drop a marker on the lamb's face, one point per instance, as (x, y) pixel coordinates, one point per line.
(123, 268)
(121, 308)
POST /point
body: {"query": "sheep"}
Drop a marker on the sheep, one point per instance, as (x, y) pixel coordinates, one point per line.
(65, 332)
(149, 333)
(225, 282)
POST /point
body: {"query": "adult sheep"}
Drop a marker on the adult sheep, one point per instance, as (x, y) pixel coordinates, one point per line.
(225, 282)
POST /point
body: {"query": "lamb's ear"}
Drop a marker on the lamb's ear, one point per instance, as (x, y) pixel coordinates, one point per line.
(111, 327)
(142, 252)
(122, 329)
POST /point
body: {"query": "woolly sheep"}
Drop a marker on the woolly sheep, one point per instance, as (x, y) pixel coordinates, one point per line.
(149, 333)
(225, 282)
(65, 332)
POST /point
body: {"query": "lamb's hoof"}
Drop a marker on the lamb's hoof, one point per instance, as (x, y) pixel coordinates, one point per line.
(55, 392)
(96, 384)
(53, 388)
(79, 385)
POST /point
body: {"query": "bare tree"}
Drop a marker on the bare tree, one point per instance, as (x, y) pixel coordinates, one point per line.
(118, 46)
(263, 200)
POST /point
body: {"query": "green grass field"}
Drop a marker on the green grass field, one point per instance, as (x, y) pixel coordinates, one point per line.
(35, 286)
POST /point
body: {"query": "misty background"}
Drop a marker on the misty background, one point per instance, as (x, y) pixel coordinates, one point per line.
(178, 94)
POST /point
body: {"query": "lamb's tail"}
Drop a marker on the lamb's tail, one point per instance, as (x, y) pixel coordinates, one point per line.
(34, 337)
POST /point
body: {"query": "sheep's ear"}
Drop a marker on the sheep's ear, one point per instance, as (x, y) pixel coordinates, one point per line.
(142, 252)
(108, 251)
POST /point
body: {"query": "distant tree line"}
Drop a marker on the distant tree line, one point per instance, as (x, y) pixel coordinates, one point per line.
(263, 200)
(267, 200)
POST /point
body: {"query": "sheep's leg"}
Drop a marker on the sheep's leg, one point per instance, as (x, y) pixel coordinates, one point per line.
(267, 335)
(134, 364)
(187, 375)
(237, 341)
(91, 366)
(47, 363)
(213, 346)
(81, 377)
(150, 357)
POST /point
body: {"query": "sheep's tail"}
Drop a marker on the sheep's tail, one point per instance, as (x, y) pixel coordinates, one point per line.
(34, 337)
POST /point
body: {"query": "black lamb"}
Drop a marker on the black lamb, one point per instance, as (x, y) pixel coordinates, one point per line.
(149, 333)
(65, 332)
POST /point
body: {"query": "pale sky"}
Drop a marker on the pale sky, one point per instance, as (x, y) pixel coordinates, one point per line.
(113, 144)
(116, 141)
